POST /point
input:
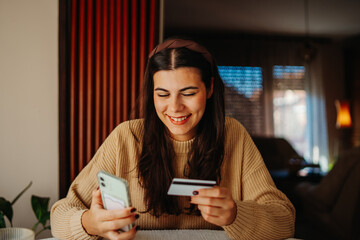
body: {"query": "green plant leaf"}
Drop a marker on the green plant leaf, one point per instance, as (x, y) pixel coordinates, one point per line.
(46, 217)
(2, 221)
(21, 193)
(40, 207)
(6, 209)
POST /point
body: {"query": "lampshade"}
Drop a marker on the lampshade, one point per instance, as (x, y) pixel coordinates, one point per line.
(343, 114)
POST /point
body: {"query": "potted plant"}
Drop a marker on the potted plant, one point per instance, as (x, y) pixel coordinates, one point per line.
(40, 207)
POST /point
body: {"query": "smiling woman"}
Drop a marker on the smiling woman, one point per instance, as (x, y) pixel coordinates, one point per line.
(180, 104)
(184, 134)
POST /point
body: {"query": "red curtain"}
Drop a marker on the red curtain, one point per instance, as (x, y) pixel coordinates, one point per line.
(108, 44)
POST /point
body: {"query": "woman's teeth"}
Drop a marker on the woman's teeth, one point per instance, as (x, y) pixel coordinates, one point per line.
(179, 119)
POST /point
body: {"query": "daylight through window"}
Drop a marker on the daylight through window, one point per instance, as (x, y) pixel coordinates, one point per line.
(244, 101)
(289, 103)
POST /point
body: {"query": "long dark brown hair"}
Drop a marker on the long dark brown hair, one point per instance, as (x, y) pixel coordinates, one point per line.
(155, 166)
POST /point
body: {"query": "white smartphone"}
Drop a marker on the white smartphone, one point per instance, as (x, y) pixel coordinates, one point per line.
(114, 193)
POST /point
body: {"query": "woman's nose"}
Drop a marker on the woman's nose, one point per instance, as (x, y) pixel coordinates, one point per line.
(175, 104)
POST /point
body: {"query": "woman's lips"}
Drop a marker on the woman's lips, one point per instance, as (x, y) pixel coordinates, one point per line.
(179, 120)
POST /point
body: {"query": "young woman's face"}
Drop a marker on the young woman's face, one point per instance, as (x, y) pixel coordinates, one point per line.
(180, 100)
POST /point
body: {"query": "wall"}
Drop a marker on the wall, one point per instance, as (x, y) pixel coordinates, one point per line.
(334, 88)
(352, 80)
(28, 103)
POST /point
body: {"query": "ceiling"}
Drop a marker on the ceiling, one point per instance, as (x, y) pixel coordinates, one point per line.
(335, 19)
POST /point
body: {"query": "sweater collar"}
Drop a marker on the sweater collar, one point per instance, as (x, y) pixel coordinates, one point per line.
(182, 147)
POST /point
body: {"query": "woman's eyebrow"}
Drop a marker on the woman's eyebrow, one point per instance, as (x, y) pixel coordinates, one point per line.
(160, 89)
(181, 90)
(187, 88)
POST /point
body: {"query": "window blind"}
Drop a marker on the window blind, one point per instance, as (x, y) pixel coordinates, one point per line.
(243, 95)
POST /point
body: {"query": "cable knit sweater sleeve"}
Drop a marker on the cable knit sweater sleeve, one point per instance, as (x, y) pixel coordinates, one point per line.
(263, 212)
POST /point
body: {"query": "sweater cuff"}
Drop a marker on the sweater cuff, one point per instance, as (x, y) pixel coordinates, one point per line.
(76, 228)
(240, 226)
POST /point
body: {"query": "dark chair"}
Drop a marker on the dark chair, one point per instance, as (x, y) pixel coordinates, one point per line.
(284, 163)
(279, 155)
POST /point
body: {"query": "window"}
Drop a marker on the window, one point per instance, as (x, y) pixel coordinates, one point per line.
(289, 105)
(244, 101)
(243, 95)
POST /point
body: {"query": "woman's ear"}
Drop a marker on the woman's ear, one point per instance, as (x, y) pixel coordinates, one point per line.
(210, 92)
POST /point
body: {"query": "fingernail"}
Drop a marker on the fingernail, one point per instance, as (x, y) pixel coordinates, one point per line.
(97, 188)
(133, 210)
(137, 216)
(137, 228)
(195, 192)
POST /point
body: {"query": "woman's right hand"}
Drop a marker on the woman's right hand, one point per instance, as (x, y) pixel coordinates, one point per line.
(106, 223)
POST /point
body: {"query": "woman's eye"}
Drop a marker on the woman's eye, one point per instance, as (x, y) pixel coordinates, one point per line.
(163, 95)
(188, 94)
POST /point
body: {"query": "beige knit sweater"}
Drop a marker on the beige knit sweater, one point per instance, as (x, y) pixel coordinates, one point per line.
(263, 212)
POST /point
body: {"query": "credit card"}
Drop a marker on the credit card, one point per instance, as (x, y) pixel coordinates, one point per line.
(186, 187)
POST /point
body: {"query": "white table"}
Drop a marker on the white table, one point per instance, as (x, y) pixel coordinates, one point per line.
(182, 234)
(177, 235)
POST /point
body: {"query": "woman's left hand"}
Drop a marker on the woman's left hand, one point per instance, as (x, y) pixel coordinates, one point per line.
(216, 205)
